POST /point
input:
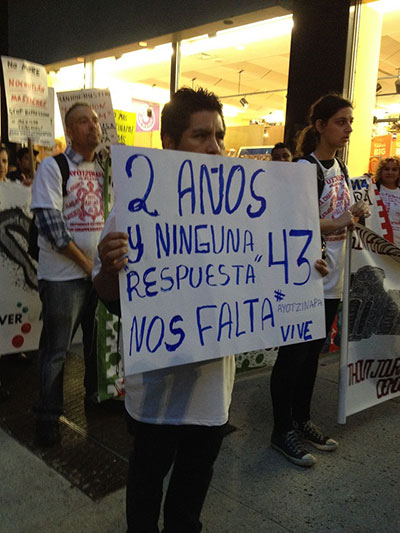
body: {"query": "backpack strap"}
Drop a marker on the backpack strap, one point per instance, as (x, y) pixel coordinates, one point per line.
(344, 170)
(320, 173)
(64, 169)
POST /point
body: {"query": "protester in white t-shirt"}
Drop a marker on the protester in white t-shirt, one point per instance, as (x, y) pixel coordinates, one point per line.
(178, 415)
(68, 204)
(388, 182)
(294, 372)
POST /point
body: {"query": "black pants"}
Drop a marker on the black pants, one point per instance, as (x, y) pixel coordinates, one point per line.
(192, 450)
(293, 377)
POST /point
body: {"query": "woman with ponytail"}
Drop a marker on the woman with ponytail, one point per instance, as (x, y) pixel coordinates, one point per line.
(295, 370)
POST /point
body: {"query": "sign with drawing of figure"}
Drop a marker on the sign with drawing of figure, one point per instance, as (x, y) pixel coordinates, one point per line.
(20, 306)
(221, 259)
(370, 373)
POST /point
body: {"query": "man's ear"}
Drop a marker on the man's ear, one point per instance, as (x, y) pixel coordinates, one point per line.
(167, 142)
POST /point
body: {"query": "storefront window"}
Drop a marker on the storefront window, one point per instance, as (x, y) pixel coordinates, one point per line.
(247, 67)
(386, 127)
(376, 95)
(139, 83)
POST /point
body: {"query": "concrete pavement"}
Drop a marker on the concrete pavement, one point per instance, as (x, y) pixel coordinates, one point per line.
(254, 489)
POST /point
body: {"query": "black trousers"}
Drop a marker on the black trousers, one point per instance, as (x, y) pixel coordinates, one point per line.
(293, 377)
(191, 451)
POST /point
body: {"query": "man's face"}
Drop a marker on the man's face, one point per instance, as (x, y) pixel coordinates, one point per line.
(84, 129)
(205, 135)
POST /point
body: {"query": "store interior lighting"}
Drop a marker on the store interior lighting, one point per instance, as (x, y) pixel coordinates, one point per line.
(397, 82)
(244, 102)
(234, 37)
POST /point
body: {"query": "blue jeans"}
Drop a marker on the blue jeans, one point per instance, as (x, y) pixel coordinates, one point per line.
(66, 304)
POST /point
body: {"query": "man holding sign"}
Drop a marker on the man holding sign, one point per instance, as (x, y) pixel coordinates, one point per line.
(178, 415)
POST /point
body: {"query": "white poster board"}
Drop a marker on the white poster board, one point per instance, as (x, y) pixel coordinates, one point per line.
(100, 101)
(221, 258)
(20, 306)
(29, 113)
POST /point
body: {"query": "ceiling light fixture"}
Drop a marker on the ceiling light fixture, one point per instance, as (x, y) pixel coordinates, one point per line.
(243, 100)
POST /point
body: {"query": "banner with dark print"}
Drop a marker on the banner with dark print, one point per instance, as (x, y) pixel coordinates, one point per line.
(20, 306)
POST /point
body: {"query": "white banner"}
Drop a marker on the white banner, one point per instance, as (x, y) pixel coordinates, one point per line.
(365, 189)
(370, 373)
(20, 306)
(221, 258)
(29, 113)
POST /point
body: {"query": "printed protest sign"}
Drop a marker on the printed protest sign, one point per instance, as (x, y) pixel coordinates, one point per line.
(20, 307)
(221, 257)
(370, 366)
(100, 101)
(29, 113)
(126, 125)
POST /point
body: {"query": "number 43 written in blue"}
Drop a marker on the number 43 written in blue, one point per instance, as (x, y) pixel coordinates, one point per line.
(302, 262)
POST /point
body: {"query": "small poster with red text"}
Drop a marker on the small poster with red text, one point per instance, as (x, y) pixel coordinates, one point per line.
(29, 113)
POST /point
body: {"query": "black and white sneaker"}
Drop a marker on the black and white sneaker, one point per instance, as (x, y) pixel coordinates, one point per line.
(313, 435)
(291, 446)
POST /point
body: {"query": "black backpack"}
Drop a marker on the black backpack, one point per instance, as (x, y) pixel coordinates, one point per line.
(320, 173)
(33, 248)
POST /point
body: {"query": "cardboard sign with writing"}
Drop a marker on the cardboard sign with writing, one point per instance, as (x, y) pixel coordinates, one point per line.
(126, 125)
(221, 257)
(29, 112)
(100, 101)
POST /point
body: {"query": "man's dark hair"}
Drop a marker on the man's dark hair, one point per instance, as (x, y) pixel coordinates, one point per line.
(71, 109)
(175, 116)
(280, 146)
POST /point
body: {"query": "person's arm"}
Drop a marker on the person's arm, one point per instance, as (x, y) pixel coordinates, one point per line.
(347, 220)
(51, 226)
(73, 252)
(112, 251)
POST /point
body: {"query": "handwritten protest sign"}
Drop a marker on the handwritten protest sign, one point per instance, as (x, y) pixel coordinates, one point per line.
(100, 101)
(20, 306)
(29, 114)
(221, 256)
(370, 363)
(126, 125)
